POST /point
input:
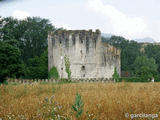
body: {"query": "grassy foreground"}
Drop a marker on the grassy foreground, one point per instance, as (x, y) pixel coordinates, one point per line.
(102, 101)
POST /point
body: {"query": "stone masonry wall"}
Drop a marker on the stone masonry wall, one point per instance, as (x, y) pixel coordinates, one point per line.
(88, 56)
(31, 81)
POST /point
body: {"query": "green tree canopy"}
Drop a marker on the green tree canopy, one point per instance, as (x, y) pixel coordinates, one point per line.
(153, 51)
(11, 65)
(31, 34)
(143, 61)
(30, 37)
(129, 51)
(145, 68)
(38, 67)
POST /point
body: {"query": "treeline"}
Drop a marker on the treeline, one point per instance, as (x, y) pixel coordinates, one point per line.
(23, 48)
(139, 61)
(23, 51)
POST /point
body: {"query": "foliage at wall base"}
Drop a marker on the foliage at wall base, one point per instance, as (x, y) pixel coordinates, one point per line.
(53, 73)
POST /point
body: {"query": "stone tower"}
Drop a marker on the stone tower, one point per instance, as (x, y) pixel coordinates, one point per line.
(89, 57)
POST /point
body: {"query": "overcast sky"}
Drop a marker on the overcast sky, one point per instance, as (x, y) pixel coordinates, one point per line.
(129, 18)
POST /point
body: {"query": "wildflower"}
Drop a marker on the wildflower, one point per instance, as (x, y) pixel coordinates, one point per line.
(58, 116)
(51, 99)
(54, 108)
(46, 99)
(59, 106)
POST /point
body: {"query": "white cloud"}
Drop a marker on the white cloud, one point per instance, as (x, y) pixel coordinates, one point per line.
(121, 23)
(65, 26)
(20, 14)
(62, 25)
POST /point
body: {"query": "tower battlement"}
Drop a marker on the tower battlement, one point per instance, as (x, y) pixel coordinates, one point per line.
(89, 57)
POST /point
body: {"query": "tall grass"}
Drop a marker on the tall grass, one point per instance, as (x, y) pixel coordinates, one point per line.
(100, 101)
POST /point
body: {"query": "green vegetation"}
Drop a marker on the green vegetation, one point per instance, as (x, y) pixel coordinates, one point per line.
(23, 52)
(38, 67)
(153, 51)
(65, 81)
(78, 106)
(23, 48)
(115, 75)
(130, 50)
(141, 65)
(67, 67)
(53, 73)
(100, 101)
(145, 68)
(11, 64)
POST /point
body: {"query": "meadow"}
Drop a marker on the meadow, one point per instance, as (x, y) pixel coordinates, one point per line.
(101, 101)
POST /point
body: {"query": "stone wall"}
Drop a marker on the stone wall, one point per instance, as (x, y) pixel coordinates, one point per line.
(31, 81)
(88, 56)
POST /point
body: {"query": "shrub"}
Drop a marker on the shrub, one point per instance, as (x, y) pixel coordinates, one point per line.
(133, 79)
(64, 81)
(53, 73)
(145, 73)
(115, 75)
(157, 78)
(4, 82)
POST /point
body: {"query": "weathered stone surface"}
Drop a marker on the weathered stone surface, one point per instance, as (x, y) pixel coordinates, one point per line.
(89, 57)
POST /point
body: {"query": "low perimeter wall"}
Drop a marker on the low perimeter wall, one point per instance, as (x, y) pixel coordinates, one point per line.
(29, 81)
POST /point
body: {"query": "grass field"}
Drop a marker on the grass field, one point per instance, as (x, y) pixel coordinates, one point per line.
(102, 101)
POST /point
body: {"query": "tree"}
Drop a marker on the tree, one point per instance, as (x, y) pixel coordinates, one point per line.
(9, 29)
(34, 36)
(146, 74)
(11, 66)
(38, 67)
(145, 68)
(129, 51)
(153, 51)
(142, 61)
(31, 36)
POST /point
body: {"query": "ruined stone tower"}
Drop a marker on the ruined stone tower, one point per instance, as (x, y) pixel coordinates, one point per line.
(89, 57)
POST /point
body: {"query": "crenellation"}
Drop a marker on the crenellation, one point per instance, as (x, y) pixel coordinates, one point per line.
(85, 50)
